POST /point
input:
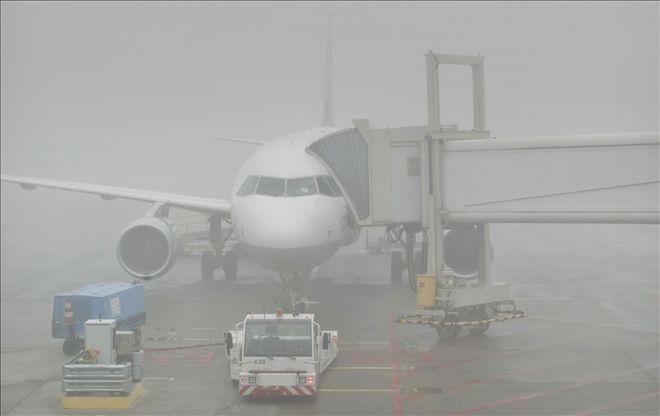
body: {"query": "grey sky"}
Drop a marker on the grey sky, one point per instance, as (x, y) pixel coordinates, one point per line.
(160, 79)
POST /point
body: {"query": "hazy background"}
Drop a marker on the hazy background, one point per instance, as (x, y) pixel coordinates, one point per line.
(130, 93)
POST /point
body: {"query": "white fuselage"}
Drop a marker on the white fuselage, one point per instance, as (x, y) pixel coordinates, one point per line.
(288, 233)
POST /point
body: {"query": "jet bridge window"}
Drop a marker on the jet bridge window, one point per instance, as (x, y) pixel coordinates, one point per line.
(327, 186)
(301, 186)
(248, 186)
(271, 186)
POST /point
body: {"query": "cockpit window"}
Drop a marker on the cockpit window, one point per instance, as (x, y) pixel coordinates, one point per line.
(301, 186)
(327, 186)
(270, 186)
(248, 186)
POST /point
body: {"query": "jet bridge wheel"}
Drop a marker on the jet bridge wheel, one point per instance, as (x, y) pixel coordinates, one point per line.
(208, 265)
(481, 315)
(448, 330)
(396, 267)
(230, 264)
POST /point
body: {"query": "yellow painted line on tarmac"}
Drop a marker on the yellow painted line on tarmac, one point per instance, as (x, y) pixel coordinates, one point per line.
(356, 390)
(352, 367)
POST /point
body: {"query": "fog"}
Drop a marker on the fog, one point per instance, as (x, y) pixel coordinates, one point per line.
(132, 93)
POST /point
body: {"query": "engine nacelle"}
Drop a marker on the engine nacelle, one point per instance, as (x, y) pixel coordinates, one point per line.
(463, 250)
(148, 248)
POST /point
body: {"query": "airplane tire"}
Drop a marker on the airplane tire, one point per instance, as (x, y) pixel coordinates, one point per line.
(230, 265)
(208, 265)
(396, 267)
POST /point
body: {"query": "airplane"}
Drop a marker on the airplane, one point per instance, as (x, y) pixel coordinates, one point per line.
(286, 211)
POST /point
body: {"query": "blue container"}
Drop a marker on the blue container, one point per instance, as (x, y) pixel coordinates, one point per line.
(121, 301)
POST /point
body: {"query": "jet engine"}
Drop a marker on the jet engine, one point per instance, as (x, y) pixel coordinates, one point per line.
(463, 250)
(148, 247)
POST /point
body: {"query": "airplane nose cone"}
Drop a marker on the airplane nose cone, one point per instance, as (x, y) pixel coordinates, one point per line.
(282, 228)
(293, 235)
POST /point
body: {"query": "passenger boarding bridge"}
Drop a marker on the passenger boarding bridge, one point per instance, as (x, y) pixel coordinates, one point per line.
(450, 184)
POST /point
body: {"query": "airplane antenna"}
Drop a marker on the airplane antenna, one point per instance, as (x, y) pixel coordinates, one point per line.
(328, 117)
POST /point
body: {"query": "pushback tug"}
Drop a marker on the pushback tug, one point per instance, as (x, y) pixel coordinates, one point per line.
(279, 354)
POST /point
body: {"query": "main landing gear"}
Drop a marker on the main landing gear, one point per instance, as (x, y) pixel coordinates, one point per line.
(212, 260)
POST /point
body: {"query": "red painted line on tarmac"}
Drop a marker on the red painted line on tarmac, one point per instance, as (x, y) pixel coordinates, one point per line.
(617, 404)
(397, 400)
(502, 402)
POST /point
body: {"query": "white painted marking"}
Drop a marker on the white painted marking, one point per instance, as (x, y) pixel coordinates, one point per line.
(360, 368)
(159, 378)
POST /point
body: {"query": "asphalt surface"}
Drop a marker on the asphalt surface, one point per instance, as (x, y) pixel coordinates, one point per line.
(589, 345)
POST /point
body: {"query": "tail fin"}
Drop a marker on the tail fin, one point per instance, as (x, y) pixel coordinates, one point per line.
(328, 117)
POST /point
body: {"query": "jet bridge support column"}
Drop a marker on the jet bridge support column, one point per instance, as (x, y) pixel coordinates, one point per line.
(461, 300)
(402, 178)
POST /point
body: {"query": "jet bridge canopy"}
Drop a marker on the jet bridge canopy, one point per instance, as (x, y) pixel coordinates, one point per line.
(345, 154)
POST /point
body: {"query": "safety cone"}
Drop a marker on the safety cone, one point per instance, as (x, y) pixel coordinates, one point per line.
(68, 314)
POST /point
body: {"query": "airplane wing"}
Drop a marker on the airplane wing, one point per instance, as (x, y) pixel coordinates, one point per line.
(241, 140)
(193, 203)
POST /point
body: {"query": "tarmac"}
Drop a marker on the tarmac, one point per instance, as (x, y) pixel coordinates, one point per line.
(590, 344)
